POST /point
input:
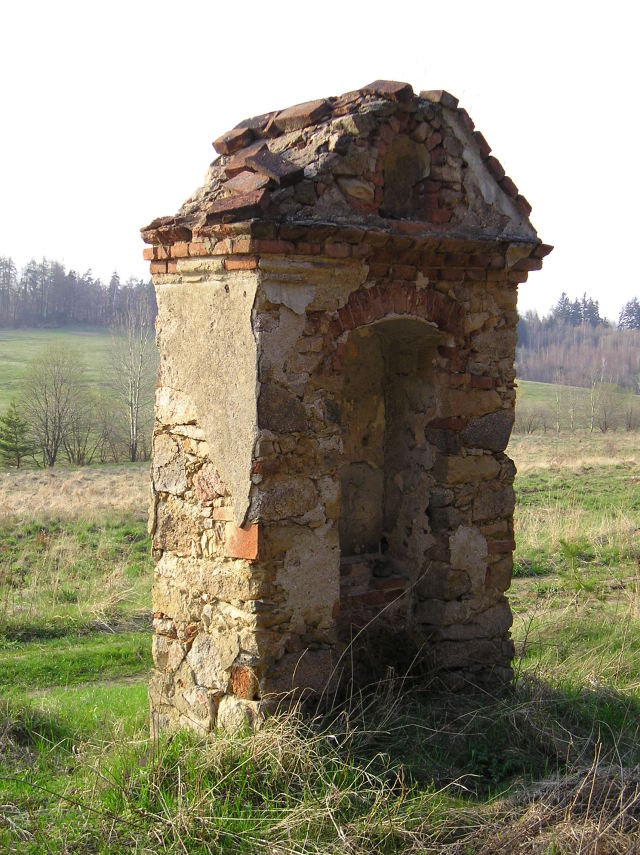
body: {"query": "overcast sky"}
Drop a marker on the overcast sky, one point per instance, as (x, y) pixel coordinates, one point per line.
(109, 110)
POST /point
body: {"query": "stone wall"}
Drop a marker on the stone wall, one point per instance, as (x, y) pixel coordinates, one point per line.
(288, 384)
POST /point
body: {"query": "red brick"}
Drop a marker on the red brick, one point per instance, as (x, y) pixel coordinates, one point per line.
(246, 182)
(480, 260)
(466, 119)
(273, 247)
(391, 89)
(162, 252)
(237, 207)
(241, 246)
(180, 249)
(403, 271)
(239, 160)
(440, 96)
(524, 205)
(242, 542)
(197, 249)
(233, 140)
(495, 167)
(399, 297)
(244, 683)
(305, 248)
(542, 250)
(257, 124)
(301, 115)
(276, 167)
(459, 379)
(378, 270)
(439, 216)
(172, 266)
(412, 297)
(148, 253)
(452, 274)
(337, 250)
(158, 267)
(483, 145)
(478, 382)
(249, 262)
(451, 423)
(528, 264)
(509, 187)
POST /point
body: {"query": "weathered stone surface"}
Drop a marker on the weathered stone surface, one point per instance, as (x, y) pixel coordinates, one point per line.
(405, 164)
(491, 431)
(336, 326)
(235, 714)
(205, 581)
(469, 552)
(357, 188)
(192, 361)
(284, 498)
(177, 526)
(211, 657)
(443, 583)
(295, 673)
(492, 502)
(174, 407)
(207, 484)
(168, 469)
(279, 410)
(455, 469)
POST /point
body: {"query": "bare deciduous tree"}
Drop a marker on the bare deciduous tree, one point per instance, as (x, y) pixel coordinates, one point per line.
(52, 397)
(133, 364)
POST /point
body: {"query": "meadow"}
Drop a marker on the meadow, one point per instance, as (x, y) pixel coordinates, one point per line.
(19, 346)
(551, 766)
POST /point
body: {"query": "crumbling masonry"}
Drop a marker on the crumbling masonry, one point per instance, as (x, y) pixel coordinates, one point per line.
(337, 327)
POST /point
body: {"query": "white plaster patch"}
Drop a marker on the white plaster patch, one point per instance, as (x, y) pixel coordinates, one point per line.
(294, 297)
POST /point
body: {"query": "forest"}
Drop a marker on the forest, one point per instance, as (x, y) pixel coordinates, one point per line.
(573, 345)
(44, 294)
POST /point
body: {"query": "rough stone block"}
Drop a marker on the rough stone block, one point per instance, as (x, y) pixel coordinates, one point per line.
(491, 431)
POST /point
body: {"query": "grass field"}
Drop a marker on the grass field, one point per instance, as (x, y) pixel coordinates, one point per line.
(553, 766)
(614, 409)
(18, 347)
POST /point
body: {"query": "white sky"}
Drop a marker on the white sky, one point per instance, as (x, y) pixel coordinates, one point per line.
(109, 109)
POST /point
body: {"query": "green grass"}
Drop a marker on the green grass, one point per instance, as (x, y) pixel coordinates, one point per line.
(550, 766)
(18, 347)
(57, 578)
(70, 660)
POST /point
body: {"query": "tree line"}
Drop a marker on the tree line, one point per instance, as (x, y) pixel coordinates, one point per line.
(57, 415)
(574, 345)
(45, 294)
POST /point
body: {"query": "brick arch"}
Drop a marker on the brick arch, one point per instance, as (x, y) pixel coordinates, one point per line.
(399, 298)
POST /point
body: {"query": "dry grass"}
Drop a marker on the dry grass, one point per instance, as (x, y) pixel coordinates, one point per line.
(574, 450)
(65, 494)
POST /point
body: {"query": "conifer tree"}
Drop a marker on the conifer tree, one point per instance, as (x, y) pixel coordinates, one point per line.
(15, 442)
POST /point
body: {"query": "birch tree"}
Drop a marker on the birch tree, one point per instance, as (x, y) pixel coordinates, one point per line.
(133, 364)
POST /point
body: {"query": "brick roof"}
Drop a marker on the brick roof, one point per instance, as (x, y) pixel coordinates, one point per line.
(378, 157)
